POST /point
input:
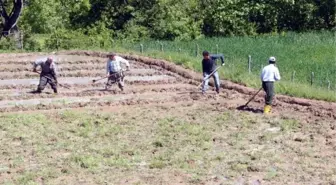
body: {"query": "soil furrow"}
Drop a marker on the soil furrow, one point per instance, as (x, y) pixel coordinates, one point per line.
(80, 73)
(89, 62)
(83, 80)
(74, 102)
(98, 84)
(26, 94)
(61, 67)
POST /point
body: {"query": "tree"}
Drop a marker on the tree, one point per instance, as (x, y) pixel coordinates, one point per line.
(227, 17)
(9, 21)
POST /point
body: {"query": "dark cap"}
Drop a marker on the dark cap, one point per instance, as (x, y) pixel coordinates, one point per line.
(111, 54)
(205, 53)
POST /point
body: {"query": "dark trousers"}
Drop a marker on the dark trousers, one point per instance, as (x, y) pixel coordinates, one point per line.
(269, 90)
(116, 77)
(47, 79)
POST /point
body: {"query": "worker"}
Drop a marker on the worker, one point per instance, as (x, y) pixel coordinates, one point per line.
(269, 75)
(48, 74)
(114, 71)
(209, 67)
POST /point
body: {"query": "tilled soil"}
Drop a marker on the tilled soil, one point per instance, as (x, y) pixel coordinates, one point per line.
(149, 81)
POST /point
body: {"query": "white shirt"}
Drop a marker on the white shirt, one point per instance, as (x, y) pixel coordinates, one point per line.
(114, 65)
(270, 73)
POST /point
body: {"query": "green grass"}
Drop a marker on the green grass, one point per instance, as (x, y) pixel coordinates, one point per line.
(300, 52)
(153, 145)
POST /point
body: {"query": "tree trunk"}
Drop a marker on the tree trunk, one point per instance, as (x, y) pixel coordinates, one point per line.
(9, 21)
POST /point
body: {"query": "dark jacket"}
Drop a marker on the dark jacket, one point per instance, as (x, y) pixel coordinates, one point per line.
(209, 65)
(47, 68)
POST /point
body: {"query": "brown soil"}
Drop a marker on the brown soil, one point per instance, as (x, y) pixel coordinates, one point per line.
(71, 63)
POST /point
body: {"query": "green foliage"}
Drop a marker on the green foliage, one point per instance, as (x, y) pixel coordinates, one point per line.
(96, 37)
(7, 44)
(175, 20)
(43, 16)
(178, 20)
(227, 18)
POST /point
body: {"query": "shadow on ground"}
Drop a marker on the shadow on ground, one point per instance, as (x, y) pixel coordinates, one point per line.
(249, 109)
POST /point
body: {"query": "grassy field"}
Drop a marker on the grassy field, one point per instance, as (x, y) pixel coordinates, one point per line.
(303, 53)
(170, 144)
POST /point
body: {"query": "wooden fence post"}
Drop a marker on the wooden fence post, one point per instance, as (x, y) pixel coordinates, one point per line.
(249, 63)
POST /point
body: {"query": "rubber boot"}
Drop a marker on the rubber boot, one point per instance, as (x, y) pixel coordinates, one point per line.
(267, 109)
(55, 91)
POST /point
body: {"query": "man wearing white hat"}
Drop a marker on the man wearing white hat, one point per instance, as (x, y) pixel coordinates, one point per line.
(269, 75)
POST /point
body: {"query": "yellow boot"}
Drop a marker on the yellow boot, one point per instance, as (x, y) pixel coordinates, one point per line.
(267, 109)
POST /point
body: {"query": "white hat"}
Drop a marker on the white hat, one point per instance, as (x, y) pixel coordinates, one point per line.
(272, 59)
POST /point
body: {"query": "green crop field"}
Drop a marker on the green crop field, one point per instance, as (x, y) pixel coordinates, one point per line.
(303, 53)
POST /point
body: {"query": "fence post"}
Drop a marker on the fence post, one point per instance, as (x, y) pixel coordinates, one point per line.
(161, 46)
(57, 43)
(197, 48)
(328, 84)
(293, 76)
(217, 49)
(21, 34)
(312, 78)
(141, 48)
(249, 63)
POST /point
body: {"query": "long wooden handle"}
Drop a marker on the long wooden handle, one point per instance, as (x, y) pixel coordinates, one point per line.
(253, 96)
(208, 76)
(52, 79)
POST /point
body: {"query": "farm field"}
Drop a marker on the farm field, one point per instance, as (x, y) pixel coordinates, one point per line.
(306, 60)
(160, 130)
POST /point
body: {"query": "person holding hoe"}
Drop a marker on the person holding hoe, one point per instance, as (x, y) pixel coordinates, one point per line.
(48, 74)
(210, 68)
(114, 70)
(269, 75)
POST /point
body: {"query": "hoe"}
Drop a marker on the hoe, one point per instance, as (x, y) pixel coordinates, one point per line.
(243, 106)
(58, 84)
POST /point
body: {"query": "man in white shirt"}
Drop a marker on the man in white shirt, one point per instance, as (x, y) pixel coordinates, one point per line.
(269, 75)
(115, 71)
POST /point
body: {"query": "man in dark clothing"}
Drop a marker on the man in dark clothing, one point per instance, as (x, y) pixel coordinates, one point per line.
(48, 74)
(209, 66)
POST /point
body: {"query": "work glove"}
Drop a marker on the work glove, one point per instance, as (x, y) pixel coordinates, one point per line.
(223, 64)
(34, 70)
